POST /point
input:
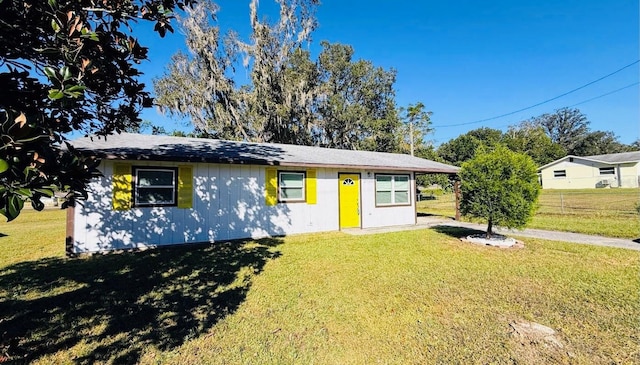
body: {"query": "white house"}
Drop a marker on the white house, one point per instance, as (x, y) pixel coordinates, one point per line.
(574, 172)
(160, 190)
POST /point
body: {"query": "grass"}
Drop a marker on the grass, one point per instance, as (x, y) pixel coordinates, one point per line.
(409, 297)
(604, 212)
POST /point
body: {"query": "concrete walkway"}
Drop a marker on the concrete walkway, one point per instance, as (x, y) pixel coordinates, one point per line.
(429, 222)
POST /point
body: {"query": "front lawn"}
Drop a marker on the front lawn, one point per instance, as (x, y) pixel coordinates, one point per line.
(602, 212)
(408, 297)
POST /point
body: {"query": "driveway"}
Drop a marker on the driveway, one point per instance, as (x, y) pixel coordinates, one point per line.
(434, 221)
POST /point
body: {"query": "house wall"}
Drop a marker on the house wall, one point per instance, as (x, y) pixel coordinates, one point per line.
(584, 174)
(228, 203)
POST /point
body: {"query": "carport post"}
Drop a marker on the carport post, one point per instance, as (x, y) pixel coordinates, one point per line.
(456, 189)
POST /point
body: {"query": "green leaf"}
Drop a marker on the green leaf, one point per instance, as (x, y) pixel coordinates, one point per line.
(25, 192)
(4, 166)
(55, 94)
(66, 73)
(14, 207)
(76, 88)
(55, 26)
(50, 72)
(47, 192)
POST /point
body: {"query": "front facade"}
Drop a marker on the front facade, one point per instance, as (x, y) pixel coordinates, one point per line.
(619, 170)
(145, 202)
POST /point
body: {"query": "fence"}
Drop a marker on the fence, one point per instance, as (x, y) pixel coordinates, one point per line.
(590, 202)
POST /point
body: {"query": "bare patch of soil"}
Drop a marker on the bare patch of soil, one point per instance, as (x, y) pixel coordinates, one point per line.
(534, 343)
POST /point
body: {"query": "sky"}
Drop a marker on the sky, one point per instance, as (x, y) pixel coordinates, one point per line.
(471, 61)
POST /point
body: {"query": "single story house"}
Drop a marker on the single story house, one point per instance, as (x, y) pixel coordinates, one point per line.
(619, 170)
(161, 190)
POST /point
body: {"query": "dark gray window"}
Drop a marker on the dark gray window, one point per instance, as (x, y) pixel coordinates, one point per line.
(155, 186)
(607, 171)
(560, 173)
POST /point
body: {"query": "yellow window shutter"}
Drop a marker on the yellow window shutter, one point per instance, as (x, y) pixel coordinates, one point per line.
(122, 187)
(311, 187)
(271, 183)
(185, 187)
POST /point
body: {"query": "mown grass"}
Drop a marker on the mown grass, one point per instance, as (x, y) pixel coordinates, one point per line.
(409, 297)
(604, 212)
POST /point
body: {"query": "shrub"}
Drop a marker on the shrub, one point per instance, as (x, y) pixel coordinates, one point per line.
(500, 186)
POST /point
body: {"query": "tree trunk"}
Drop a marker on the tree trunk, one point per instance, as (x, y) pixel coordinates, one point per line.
(490, 228)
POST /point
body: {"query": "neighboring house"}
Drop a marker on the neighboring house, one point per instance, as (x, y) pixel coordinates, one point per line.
(619, 170)
(159, 190)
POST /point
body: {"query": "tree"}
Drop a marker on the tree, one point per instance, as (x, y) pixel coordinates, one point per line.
(357, 107)
(464, 147)
(333, 102)
(532, 140)
(500, 186)
(66, 66)
(599, 143)
(277, 105)
(416, 123)
(565, 127)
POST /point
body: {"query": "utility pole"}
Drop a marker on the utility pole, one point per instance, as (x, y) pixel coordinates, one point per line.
(411, 135)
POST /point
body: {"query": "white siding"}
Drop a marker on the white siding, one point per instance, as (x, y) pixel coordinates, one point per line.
(229, 203)
(373, 216)
(585, 174)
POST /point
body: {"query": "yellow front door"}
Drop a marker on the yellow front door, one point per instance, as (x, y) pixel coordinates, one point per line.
(349, 200)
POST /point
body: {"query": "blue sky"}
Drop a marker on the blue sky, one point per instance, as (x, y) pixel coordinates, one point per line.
(469, 60)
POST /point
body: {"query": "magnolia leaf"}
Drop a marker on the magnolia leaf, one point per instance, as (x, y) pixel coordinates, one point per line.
(66, 73)
(21, 119)
(47, 192)
(55, 26)
(55, 94)
(50, 72)
(14, 206)
(25, 192)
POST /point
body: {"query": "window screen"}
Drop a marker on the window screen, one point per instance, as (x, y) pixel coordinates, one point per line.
(291, 186)
(392, 190)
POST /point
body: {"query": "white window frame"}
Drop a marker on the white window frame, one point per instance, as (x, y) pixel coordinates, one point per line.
(611, 168)
(560, 174)
(283, 199)
(173, 187)
(394, 190)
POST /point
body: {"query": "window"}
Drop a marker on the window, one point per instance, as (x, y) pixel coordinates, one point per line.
(155, 186)
(392, 190)
(560, 173)
(607, 171)
(291, 186)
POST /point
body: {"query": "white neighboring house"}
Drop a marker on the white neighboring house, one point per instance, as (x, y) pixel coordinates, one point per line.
(616, 170)
(161, 190)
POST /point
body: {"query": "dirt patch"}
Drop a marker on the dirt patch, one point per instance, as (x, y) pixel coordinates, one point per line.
(534, 343)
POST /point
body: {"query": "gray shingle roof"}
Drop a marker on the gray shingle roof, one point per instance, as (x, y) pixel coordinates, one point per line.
(167, 148)
(617, 157)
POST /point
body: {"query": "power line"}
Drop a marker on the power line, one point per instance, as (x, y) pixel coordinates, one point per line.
(588, 100)
(607, 94)
(540, 103)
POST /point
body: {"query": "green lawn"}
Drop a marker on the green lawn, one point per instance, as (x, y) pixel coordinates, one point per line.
(604, 212)
(410, 297)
